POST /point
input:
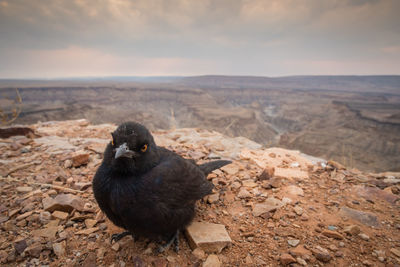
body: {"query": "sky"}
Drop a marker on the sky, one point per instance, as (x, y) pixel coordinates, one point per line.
(76, 38)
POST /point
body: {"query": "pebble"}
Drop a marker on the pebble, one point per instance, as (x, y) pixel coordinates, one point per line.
(210, 237)
(212, 261)
(363, 236)
(286, 259)
(293, 242)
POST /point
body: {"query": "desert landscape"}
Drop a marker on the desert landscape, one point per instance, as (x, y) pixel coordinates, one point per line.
(354, 120)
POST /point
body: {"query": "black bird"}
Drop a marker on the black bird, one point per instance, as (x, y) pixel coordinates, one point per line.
(149, 190)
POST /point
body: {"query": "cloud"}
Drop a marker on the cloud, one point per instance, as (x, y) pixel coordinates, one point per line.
(222, 35)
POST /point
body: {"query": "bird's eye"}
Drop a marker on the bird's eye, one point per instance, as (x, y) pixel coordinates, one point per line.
(144, 148)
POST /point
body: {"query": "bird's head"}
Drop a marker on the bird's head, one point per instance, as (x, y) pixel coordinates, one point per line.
(132, 149)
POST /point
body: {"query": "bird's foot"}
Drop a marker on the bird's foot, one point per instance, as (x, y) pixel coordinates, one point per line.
(117, 237)
(174, 239)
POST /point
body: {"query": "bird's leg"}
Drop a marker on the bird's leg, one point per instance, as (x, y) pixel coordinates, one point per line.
(174, 239)
(117, 237)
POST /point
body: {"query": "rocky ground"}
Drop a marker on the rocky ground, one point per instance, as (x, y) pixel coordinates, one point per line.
(270, 207)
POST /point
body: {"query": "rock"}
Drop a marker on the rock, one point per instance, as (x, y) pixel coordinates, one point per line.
(243, 193)
(395, 251)
(116, 246)
(363, 217)
(48, 232)
(90, 223)
(59, 249)
(352, 229)
(336, 165)
(44, 217)
(80, 158)
(6, 132)
(63, 202)
(87, 231)
(34, 250)
(231, 169)
(301, 261)
(324, 257)
(24, 215)
(60, 215)
(270, 204)
(160, 263)
(90, 260)
(20, 245)
(293, 190)
(212, 261)
(275, 182)
(293, 242)
(332, 234)
(82, 186)
(67, 164)
(298, 210)
(249, 183)
(213, 198)
(267, 173)
(208, 236)
(3, 256)
(363, 236)
(286, 259)
(199, 253)
(24, 189)
(300, 251)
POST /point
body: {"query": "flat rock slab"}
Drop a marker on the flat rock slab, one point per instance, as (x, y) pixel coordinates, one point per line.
(63, 202)
(270, 204)
(363, 217)
(210, 237)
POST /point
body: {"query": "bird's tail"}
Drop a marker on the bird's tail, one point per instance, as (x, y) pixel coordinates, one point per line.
(213, 165)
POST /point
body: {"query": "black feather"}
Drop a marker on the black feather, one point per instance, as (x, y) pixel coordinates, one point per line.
(152, 193)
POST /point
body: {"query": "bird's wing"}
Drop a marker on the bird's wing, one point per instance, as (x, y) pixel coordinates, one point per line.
(177, 181)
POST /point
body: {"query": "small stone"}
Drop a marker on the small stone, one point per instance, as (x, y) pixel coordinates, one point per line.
(301, 261)
(34, 250)
(352, 229)
(48, 232)
(267, 173)
(213, 198)
(299, 210)
(60, 215)
(341, 244)
(44, 217)
(87, 231)
(116, 246)
(67, 164)
(270, 204)
(59, 249)
(90, 223)
(212, 261)
(80, 158)
(160, 263)
(363, 236)
(395, 251)
(332, 234)
(24, 189)
(63, 202)
(324, 257)
(293, 242)
(286, 259)
(275, 182)
(199, 253)
(24, 215)
(293, 190)
(231, 169)
(208, 236)
(20, 245)
(332, 247)
(243, 193)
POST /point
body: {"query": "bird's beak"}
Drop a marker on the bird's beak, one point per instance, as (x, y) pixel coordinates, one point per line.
(123, 151)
